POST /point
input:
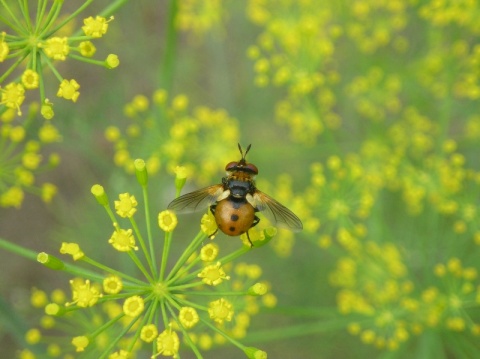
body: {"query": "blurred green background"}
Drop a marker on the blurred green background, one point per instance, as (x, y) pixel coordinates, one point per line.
(363, 119)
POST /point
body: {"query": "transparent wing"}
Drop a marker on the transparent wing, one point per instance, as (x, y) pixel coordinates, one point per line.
(197, 200)
(276, 212)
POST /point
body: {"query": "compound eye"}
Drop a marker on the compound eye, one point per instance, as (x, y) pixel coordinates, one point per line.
(231, 166)
(252, 168)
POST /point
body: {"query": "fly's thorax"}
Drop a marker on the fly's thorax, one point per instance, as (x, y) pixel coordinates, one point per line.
(239, 186)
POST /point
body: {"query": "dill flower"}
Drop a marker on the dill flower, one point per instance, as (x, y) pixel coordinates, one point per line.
(163, 128)
(161, 310)
(200, 17)
(33, 44)
(22, 161)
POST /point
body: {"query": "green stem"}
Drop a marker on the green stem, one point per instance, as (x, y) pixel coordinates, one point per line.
(149, 229)
(185, 334)
(142, 244)
(186, 254)
(21, 251)
(140, 265)
(113, 271)
(119, 337)
(166, 250)
(167, 69)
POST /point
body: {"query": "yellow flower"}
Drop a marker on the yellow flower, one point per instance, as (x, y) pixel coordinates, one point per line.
(125, 207)
(73, 249)
(208, 225)
(112, 61)
(122, 240)
(133, 306)
(68, 90)
(148, 333)
(167, 220)
(13, 197)
(87, 48)
(121, 354)
(80, 343)
(30, 79)
(33, 336)
(96, 27)
(168, 343)
(213, 274)
(84, 294)
(209, 252)
(13, 96)
(47, 110)
(56, 48)
(220, 310)
(4, 49)
(112, 284)
(188, 317)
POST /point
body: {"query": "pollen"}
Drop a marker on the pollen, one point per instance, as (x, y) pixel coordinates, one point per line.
(73, 249)
(112, 285)
(148, 333)
(167, 220)
(96, 27)
(220, 311)
(125, 207)
(84, 294)
(188, 317)
(68, 90)
(13, 96)
(134, 306)
(56, 48)
(168, 343)
(213, 274)
(122, 240)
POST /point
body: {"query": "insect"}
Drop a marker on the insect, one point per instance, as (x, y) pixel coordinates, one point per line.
(235, 202)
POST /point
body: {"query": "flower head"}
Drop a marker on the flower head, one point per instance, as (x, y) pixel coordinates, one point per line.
(37, 43)
(125, 207)
(221, 310)
(68, 90)
(56, 48)
(123, 240)
(84, 293)
(117, 299)
(213, 274)
(95, 27)
(167, 220)
(168, 343)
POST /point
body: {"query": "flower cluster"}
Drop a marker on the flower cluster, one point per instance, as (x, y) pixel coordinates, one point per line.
(200, 16)
(33, 44)
(21, 159)
(165, 130)
(387, 308)
(195, 302)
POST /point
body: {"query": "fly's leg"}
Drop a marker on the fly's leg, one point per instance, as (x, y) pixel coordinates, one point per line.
(255, 222)
(213, 207)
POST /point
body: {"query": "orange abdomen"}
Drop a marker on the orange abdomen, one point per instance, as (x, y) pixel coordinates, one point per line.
(234, 217)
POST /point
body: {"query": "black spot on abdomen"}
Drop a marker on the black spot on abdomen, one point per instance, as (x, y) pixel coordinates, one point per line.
(234, 217)
(232, 229)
